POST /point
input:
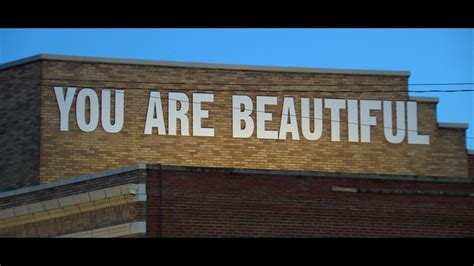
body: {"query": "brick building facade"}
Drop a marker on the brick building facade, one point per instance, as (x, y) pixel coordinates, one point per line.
(72, 183)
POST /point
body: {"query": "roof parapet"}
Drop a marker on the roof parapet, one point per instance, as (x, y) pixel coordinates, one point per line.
(200, 65)
(454, 125)
(424, 99)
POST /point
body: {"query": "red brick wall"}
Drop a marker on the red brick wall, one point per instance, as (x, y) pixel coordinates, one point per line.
(153, 203)
(243, 205)
(470, 164)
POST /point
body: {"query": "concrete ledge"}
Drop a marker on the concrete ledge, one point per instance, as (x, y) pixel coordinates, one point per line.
(192, 169)
(424, 99)
(470, 152)
(319, 174)
(86, 59)
(73, 180)
(130, 168)
(115, 171)
(454, 125)
(70, 205)
(82, 178)
(141, 166)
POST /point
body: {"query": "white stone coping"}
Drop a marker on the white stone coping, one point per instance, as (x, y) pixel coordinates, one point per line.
(73, 180)
(111, 231)
(424, 99)
(200, 65)
(454, 125)
(82, 198)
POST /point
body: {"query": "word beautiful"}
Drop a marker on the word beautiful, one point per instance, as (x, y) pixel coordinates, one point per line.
(359, 118)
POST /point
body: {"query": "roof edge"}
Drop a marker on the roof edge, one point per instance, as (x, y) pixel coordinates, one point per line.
(88, 59)
(21, 61)
(424, 99)
(453, 125)
(195, 169)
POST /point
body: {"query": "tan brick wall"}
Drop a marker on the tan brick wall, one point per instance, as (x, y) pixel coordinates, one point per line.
(75, 152)
(19, 126)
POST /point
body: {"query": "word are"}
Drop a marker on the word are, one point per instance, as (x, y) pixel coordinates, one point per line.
(175, 114)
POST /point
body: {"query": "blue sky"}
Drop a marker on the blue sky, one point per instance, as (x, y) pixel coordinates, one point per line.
(431, 55)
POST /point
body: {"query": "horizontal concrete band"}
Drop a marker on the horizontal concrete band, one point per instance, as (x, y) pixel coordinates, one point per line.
(73, 180)
(470, 152)
(454, 125)
(424, 99)
(199, 65)
(111, 231)
(403, 191)
(142, 166)
(73, 204)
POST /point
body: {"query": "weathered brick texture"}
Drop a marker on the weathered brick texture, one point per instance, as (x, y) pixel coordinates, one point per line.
(242, 205)
(471, 165)
(153, 209)
(20, 126)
